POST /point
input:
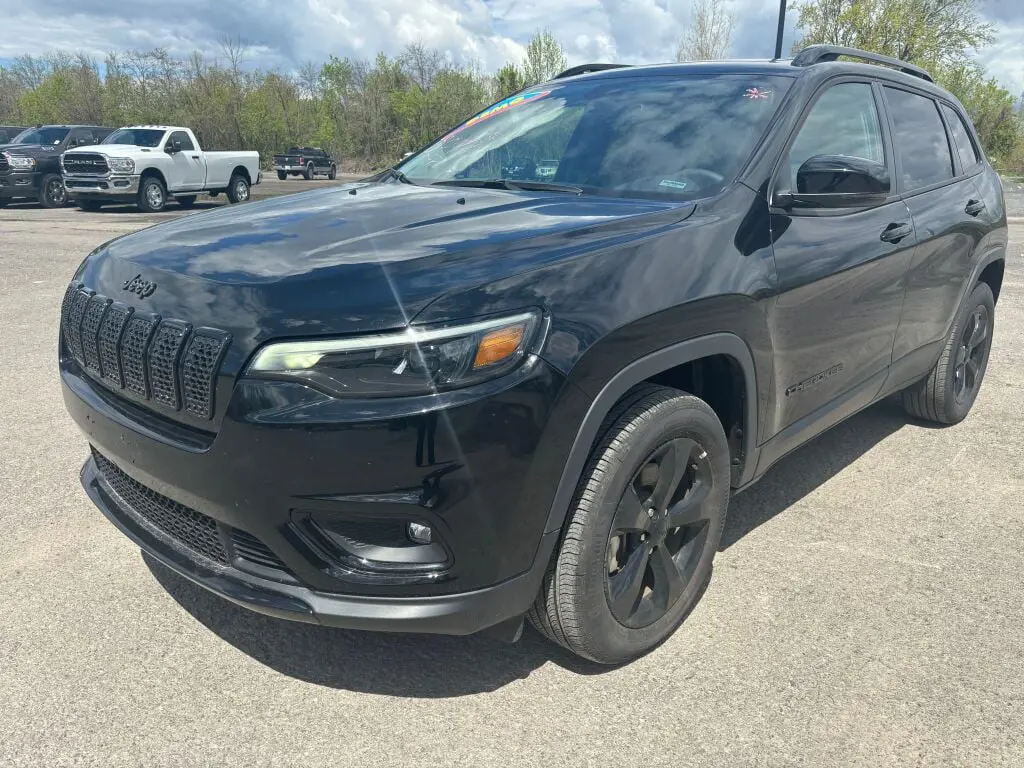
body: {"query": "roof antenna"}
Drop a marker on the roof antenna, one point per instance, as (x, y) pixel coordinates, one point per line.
(782, 26)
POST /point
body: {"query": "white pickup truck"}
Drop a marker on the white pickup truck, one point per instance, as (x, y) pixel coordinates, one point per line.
(147, 164)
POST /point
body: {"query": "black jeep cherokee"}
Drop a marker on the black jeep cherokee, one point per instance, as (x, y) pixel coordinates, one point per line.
(445, 399)
(30, 163)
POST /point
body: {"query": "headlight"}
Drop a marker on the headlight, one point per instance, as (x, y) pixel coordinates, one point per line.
(19, 163)
(412, 362)
(121, 164)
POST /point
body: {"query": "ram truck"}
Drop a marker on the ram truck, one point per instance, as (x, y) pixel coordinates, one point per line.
(149, 164)
(30, 162)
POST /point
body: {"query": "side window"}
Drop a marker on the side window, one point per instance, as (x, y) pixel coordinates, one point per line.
(186, 142)
(81, 137)
(843, 121)
(961, 139)
(919, 138)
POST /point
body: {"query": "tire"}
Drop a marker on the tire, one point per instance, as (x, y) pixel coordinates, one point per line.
(946, 394)
(642, 440)
(281, 175)
(310, 171)
(89, 205)
(52, 193)
(333, 173)
(185, 201)
(152, 197)
(238, 188)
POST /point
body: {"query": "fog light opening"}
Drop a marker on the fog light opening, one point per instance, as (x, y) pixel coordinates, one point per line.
(419, 533)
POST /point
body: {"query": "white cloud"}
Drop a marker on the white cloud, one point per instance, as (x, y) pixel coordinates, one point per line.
(286, 33)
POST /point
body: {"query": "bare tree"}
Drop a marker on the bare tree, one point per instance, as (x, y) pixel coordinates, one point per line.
(710, 32)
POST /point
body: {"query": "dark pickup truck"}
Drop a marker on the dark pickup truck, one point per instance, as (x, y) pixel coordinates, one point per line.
(30, 164)
(305, 161)
(8, 132)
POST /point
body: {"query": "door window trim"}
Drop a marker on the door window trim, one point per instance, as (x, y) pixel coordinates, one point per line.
(887, 149)
(904, 194)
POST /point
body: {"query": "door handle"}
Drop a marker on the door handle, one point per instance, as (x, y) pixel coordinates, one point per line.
(896, 232)
(974, 207)
(195, 157)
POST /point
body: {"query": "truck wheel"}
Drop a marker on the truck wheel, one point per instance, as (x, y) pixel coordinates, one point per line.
(946, 395)
(333, 173)
(52, 193)
(152, 195)
(310, 170)
(636, 551)
(282, 175)
(186, 201)
(89, 205)
(238, 189)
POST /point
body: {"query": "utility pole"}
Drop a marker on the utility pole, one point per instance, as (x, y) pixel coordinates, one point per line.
(782, 26)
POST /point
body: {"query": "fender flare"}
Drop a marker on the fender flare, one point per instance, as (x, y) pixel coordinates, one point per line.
(638, 371)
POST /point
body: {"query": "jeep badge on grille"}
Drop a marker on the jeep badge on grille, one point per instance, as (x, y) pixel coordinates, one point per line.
(137, 285)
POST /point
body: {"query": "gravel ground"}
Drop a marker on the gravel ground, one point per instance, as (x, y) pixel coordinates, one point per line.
(866, 607)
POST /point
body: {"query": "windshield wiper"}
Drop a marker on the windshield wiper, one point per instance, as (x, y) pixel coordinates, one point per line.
(524, 184)
(393, 173)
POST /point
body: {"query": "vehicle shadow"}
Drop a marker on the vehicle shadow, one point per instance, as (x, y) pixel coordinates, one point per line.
(430, 666)
(115, 208)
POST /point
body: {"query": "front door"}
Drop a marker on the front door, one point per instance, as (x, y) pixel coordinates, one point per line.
(841, 272)
(188, 171)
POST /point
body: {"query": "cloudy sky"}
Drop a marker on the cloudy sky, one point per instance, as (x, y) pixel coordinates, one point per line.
(285, 33)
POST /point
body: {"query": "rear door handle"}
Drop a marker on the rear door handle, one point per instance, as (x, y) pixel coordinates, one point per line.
(896, 232)
(974, 207)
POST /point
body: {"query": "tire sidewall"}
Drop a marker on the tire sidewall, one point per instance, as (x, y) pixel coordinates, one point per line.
(672, 421)
(980, 296)
(144, 202)
(232, 187)
(44, 185)
(333, 174)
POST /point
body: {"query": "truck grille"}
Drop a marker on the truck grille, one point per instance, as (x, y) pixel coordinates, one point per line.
(4, 165)
(193, 530)
(86, 162)
(164, 362)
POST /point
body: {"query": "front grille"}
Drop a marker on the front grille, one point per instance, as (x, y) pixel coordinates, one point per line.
(191, 529)
(86, 162)
(186, 526)
(4, 165)
(162, 361)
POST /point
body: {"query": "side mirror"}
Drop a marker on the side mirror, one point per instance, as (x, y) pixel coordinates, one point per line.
(174, 146)
(837, 181)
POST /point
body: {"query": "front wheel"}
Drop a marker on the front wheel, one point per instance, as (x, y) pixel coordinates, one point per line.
(238, 189)
(281, 175)
(152, 195)
(52, 193)
(636, 552)
(333, 173)
(946, 395)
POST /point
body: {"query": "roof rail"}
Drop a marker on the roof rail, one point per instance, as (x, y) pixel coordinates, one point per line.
(815, 54)
(583, 69)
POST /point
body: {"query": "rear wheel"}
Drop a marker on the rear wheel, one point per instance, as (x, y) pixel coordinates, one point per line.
(282, 175)
(89, 205)
(637, 549)
(310, 170)
(152, 197)
(238, 188)
(333, 173)
(52, 193)
(946, 395)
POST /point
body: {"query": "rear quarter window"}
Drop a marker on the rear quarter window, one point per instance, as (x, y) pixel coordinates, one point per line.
(965, 148)
(919, 138)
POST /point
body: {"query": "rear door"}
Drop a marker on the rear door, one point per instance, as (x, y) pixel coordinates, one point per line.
(841, 271)
(936, 179)
(189, 170)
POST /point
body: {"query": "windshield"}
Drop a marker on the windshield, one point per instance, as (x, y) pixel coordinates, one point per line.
(44, 136)
(140, 137)
(674, 137)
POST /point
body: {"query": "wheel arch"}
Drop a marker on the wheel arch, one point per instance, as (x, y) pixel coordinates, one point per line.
(664, 366)
(243, 171)
(153, 173)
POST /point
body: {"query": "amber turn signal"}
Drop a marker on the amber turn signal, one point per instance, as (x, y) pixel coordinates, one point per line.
(499, 345)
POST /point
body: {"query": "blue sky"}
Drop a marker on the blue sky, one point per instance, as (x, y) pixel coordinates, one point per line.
(284, 33)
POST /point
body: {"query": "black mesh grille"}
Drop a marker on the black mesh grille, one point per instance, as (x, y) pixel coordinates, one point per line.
(94, 312)
(110, 341)
(198, 372)
(83, 162)
(160, 360)
(186, 526)
(164, 351)
(136, 338)
(255, 551)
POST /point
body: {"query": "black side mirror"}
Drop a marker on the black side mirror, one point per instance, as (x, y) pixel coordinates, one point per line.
(174, 146)
(837, 181)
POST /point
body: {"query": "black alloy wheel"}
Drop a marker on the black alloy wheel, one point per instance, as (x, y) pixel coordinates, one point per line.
(52, 193)
(972, 353)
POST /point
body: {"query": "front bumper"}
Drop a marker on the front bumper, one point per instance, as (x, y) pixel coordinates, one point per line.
(107, 186)
(466, 470)
(19, 184)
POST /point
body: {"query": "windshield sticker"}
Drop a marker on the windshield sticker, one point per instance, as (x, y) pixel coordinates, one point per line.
(757, 93)
(673, 184)
(501, 106)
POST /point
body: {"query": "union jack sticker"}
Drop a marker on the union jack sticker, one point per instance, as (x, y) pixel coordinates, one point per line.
(757, 93)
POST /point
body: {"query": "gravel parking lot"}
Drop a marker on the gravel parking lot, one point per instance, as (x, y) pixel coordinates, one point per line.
(866, 609)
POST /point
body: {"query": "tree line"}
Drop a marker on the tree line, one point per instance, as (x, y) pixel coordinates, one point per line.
(368, 113)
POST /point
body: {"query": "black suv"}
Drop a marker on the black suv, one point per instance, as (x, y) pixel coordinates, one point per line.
(444, 399)
(30, 164)
(305, 161)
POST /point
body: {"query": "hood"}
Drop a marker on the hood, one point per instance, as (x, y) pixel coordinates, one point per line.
(353, 259)
(31, 150)
(114, 150)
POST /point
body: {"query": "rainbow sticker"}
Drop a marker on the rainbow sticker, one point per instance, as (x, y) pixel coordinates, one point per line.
(502, 106)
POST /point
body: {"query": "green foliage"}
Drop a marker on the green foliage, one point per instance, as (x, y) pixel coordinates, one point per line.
(544, 58)
(990, 106)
